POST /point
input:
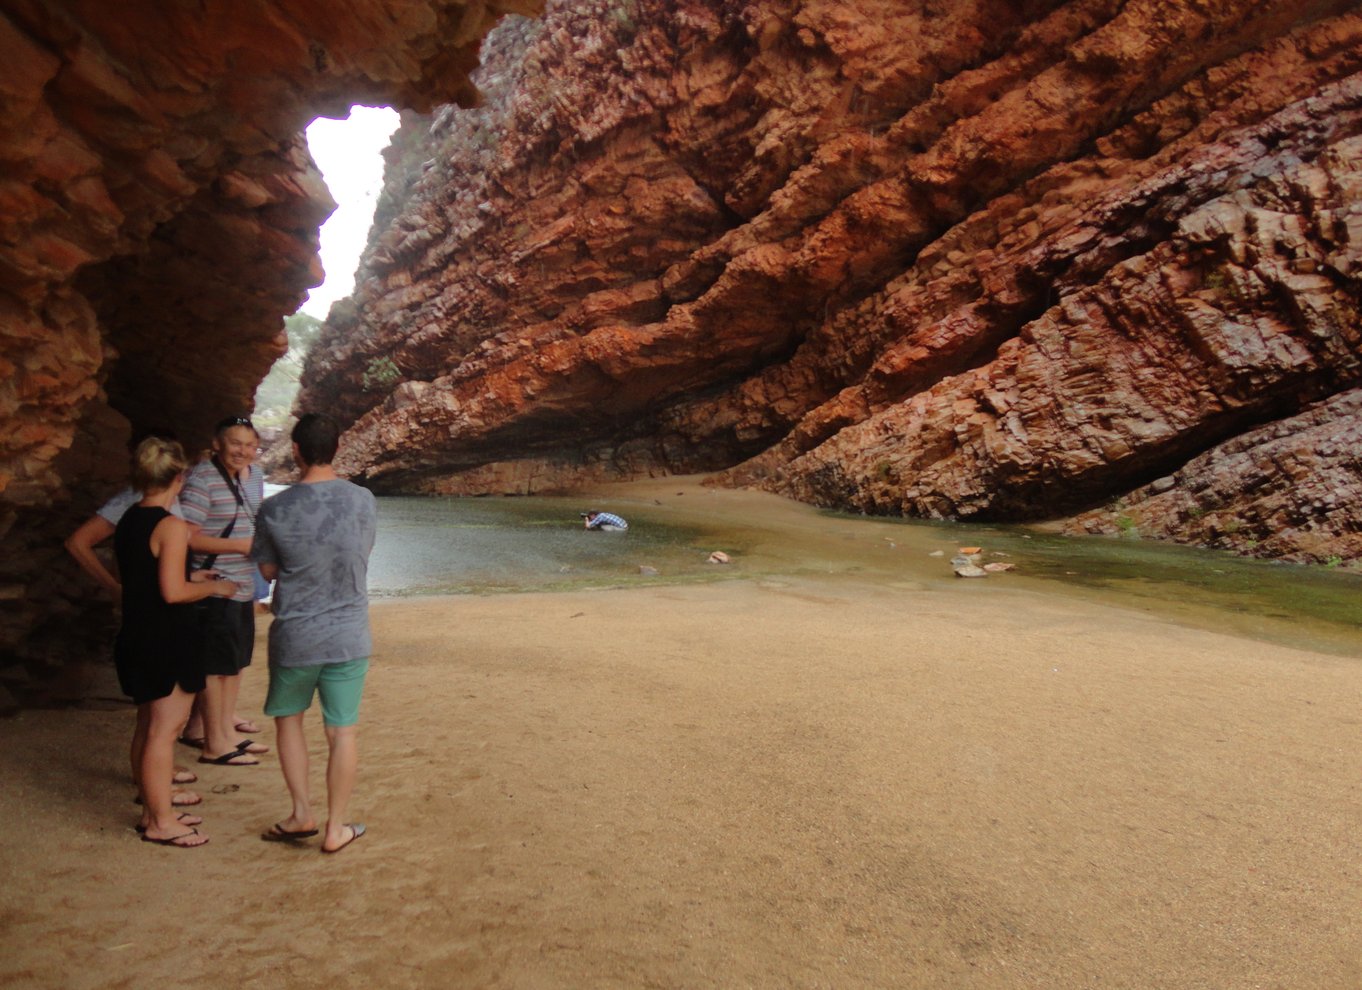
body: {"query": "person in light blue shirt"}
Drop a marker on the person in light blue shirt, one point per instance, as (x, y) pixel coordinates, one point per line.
(313, 540)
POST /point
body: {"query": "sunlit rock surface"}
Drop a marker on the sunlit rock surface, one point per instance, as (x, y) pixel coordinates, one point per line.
(980, 259)
(158, 218)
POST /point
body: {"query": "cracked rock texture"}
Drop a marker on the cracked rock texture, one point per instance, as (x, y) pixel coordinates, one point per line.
(158, 219)
(980, 259)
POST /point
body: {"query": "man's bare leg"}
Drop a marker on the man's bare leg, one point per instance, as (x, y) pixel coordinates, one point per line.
(231, 690)
(194, 729)
(231, 719)
(342, 768)
(218, 737)
(293, 761)
(219, 702)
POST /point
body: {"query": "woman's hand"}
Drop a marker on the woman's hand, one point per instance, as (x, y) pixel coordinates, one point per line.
(223, 588)
(198, 577)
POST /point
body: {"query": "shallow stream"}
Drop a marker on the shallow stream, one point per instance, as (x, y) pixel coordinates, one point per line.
(487, 545)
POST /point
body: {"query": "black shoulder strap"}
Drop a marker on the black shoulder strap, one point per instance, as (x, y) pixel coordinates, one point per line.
(231, 482)
(211, 559)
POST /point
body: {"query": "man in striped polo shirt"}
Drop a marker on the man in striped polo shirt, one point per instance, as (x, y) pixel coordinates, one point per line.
(220, 511)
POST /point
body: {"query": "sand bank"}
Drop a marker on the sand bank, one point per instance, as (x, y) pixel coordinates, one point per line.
(795, 780)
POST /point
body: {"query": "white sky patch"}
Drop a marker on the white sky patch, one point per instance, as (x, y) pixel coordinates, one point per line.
(349, 153)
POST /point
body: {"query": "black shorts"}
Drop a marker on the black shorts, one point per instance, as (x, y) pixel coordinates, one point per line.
(159, 653)
(228, 636)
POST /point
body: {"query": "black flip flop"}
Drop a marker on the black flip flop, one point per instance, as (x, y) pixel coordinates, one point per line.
(225, 760)
(172, 841)
(277, 834)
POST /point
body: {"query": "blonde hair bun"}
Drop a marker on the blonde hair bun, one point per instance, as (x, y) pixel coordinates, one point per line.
(155, 463)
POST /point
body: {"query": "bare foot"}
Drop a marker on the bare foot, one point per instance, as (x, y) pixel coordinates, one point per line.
(345, 835)
(183, 775)
(290, 829)
(185, 818)
(178, 798)
(236, 758)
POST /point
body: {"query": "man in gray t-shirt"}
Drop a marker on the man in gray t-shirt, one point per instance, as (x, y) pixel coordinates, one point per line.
(313, 540)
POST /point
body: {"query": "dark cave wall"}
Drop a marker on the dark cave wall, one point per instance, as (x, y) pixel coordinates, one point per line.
(158, 219)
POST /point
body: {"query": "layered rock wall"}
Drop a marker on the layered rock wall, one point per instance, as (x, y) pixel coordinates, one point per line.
(990, 259)
(158, 219)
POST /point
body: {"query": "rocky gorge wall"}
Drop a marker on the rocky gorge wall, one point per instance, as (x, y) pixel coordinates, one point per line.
(158, 219)
(1094, 259)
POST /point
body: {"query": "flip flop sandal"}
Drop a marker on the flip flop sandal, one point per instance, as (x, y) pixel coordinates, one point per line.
(174, 840)
(232, 759)
(356, 828)
(277, 834)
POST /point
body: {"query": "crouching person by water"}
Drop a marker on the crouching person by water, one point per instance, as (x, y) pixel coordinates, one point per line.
(313, 540)
(604, 522)
(157, 653)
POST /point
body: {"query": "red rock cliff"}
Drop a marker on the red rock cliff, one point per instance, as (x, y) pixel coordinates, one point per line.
(980, 259)
(158, 218)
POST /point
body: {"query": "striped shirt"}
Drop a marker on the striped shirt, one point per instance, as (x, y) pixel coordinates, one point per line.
(208, 503)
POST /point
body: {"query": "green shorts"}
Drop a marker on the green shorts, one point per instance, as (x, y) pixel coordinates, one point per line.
(339, 685)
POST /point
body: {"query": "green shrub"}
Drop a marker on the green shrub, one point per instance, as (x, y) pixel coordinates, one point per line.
(381, 375)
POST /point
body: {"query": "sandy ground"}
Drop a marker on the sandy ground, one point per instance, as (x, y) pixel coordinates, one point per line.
(771, 781)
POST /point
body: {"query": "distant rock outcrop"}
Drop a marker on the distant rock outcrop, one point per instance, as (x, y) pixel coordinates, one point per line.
(980, 259)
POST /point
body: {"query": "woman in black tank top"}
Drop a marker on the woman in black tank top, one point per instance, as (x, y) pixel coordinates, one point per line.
(156, 652)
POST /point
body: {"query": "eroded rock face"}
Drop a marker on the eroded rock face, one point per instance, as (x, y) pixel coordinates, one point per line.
(1289, 489)
(990, 259)
(158, 218)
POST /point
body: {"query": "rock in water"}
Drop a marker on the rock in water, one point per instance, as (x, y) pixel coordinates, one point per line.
(967, 568)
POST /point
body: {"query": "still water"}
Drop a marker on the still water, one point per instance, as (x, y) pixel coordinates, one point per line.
(481, 545)
(488, 545)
